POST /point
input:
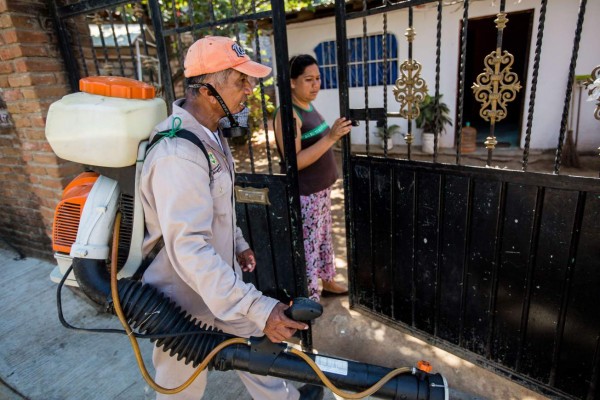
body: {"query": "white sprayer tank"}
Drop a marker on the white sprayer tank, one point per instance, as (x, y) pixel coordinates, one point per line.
(104, 124)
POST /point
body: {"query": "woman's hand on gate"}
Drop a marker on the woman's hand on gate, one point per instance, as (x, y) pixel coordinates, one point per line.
(341, 127)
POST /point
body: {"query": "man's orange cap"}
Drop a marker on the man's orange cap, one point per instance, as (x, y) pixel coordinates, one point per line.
(216, 53)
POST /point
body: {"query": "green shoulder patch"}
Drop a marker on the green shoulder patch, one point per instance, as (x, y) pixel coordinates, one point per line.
(212, 158)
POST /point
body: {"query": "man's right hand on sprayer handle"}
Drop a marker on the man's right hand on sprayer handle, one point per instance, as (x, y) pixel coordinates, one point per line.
(279, 327)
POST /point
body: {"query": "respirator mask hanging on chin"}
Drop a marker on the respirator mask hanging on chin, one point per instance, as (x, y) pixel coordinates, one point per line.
(234, 129)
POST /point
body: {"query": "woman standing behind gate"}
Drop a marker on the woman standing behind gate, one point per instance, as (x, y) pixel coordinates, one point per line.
(317, 172)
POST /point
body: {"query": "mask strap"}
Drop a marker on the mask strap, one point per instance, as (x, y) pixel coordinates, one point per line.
(217, 96)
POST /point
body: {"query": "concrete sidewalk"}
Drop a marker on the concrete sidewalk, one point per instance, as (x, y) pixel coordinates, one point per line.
(40, 359)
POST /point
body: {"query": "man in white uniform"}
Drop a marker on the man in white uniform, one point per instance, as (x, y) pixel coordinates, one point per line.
(188, 204)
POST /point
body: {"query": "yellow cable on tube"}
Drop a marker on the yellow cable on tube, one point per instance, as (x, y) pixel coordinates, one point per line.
(133, 340)
(209, 357)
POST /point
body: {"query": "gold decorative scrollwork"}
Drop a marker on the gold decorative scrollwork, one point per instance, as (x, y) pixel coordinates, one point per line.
(592, 84)
(410, 89)
(497, 86)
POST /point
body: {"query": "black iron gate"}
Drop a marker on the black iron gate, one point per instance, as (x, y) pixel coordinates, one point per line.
(500, 267)
(147, 40)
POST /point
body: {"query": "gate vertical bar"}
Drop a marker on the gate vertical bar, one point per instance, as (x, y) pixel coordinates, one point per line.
(342, 58)
(491, 141)
(385, 82)
(262, 93)
(111, 20)
(409, 36)
(80, 49)
(534, 79)
(161, 49)
(465, 263)
(133, 59)
(65, 49)
(500, 215)
(99, 22)
(289, 149)
(562, 317)
(213, 18)
(365, 76)
(461, 80)
(180, 55)
(138, 12)
(531, 262)
(192, 19)
(438, 49)
(569, 92)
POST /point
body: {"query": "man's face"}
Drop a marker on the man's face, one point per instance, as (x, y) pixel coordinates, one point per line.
(235, 91)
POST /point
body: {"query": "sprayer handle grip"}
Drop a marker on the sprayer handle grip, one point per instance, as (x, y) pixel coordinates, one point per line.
(303, 309)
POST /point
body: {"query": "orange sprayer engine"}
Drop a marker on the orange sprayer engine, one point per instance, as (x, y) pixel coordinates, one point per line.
(105, 127)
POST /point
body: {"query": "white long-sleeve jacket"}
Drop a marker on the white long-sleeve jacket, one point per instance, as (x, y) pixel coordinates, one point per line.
(197, 266)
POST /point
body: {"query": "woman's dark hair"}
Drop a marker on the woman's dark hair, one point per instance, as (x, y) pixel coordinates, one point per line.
(299, 63)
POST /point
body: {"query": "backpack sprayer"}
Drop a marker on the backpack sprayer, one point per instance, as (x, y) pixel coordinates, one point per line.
(107, 126)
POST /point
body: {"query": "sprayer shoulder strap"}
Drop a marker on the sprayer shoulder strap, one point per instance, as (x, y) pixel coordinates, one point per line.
(185, 134)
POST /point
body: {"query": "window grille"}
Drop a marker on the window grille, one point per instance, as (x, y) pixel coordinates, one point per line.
(327, 58)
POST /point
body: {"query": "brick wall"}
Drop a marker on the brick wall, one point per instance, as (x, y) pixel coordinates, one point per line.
(32, 76)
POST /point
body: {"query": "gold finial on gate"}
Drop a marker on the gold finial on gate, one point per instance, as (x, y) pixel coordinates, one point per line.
(148, 64)
(138, 11)
(490, 142)
(501, 20)
(497, 85)
(98, 20)
(410, 34)
(107, 69)
(592, 84)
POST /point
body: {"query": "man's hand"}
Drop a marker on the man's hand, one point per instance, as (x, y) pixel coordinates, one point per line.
(279, 327)
(247, 260)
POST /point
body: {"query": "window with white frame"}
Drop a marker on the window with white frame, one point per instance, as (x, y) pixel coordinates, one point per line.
(373, 54)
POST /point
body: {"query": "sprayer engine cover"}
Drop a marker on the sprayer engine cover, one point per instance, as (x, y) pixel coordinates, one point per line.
(68, 211)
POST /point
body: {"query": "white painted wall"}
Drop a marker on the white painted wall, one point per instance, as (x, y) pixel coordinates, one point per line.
(558, 39)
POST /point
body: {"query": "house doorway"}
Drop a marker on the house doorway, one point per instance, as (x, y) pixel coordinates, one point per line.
(481, 41)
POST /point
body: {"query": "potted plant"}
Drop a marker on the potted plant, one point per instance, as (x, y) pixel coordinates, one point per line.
(430, 114)
(386, 136)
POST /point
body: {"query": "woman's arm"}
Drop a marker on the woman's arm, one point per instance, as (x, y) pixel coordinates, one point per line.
(306, 157)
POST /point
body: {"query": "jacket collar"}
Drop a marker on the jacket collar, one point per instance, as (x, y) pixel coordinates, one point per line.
(190, 123)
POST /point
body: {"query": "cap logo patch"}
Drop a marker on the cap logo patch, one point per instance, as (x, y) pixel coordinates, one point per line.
(238, 50)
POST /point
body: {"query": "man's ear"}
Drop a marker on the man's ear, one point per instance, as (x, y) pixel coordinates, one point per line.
(207, 94)
(205, 91)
